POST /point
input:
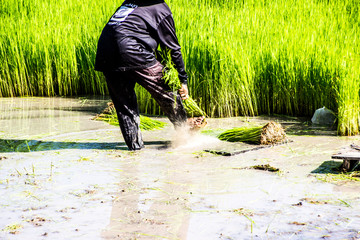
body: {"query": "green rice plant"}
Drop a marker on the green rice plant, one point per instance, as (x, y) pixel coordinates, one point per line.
(271, 133)
(348, 102)
(47, 48)
(283, 62)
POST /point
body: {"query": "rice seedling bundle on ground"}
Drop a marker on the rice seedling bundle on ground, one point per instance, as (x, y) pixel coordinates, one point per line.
(146, 123)
(269, 134)
(300, 55)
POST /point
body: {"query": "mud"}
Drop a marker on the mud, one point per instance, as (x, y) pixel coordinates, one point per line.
(65, 176)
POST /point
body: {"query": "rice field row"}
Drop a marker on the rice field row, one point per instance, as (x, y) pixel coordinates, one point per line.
(244, 57)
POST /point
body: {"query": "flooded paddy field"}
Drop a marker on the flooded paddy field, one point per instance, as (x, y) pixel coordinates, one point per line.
(66, 176)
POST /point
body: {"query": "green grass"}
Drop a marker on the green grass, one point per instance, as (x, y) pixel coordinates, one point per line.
(243, 57)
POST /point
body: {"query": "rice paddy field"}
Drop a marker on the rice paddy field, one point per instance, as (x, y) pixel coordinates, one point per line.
(243, 57)
(64, 175)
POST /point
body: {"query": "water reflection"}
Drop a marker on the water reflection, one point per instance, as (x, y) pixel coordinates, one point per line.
(27, 117)
(10, 145)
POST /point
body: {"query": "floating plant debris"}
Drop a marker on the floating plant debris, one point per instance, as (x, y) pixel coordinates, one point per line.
(266, 167)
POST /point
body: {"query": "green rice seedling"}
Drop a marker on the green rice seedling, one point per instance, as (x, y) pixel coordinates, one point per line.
(51, 170)
(192, 108)
(109, 115)
(172, 79)
(13, 228)
(243, 212)
(212, 132)
(244, 134)
(149, 124)
(339, 178)
(271, 133)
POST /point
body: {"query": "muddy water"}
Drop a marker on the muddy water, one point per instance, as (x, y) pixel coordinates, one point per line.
(65, 176)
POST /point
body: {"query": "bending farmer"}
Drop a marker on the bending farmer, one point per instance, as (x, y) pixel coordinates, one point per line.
(126, 55)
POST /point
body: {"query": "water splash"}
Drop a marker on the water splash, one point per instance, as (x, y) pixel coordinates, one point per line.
(186, 138)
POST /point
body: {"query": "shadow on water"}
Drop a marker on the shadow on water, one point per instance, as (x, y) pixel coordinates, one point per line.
(309, 130)
(301, 126)
(333, 167)
(329, 167)
(10, 145)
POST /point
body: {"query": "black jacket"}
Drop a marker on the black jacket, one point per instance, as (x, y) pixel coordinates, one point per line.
(130, 38)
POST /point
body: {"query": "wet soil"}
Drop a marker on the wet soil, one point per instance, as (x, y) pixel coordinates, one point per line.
(66, 176)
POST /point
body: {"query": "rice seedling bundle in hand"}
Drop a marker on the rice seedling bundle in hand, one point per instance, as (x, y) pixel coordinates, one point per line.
(146, 123)
(172, 79)
(271, 133)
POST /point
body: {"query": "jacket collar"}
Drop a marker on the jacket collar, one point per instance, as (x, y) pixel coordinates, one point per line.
(142, 3)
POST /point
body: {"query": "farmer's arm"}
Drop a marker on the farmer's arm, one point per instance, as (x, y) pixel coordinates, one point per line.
(168, 39)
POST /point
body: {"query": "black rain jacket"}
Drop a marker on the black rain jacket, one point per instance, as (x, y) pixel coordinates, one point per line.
(130, 38)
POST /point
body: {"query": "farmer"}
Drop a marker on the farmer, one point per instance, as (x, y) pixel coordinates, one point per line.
(126, 54)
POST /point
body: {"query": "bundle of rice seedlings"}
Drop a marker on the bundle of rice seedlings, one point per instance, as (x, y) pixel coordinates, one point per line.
(149, 124)
(271, 133)
(172, 79)
(108, 115)
(146, 123)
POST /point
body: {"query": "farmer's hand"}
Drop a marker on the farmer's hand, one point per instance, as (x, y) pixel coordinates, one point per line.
(184, 92)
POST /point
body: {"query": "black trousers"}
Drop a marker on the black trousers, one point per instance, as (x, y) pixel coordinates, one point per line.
(121, 88)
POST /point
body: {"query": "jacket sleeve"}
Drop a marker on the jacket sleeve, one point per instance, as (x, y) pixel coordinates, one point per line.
(168, 39)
